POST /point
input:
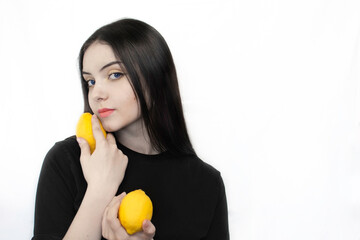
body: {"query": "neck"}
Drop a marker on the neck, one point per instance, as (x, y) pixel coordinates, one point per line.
(136, 138)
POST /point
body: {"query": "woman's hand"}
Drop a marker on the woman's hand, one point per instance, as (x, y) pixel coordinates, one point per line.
(112, 229)
(105, 168)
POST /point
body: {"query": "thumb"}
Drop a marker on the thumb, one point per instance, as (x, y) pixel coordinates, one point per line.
(148, 228)
(84, 148)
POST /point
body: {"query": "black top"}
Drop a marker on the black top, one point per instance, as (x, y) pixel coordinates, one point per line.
(188, 195)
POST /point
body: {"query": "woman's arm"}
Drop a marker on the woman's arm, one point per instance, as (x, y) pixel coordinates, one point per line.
(87, 222)
(112, 229)
(104, 170)
(56, 192)
(219, 228)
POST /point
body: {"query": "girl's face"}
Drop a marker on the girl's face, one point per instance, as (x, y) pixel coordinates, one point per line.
(111, 96)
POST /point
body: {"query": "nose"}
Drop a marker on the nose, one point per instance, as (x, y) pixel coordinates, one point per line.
(99, 92)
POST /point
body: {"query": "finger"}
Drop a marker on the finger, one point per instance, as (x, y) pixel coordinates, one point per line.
(105, 231)
(84, 148)
(104, 217)
(111, 139)
(114, 205)
(98, 135)
(148, 228)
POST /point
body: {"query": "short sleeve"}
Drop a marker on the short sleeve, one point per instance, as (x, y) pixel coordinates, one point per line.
(54, 205)
(219, 228)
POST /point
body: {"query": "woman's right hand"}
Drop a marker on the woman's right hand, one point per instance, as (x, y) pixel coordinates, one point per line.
(105, 168)
(112, 229)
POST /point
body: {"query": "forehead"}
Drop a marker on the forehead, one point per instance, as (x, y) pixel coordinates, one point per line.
(97, 54)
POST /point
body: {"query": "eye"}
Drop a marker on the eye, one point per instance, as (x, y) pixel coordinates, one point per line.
(91, 82)
(116, 75)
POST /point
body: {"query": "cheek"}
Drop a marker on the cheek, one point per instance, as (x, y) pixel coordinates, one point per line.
(91, 103)
(135, 106)
(131, 102)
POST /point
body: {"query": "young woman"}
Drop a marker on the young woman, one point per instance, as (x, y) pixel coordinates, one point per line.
(129, 83)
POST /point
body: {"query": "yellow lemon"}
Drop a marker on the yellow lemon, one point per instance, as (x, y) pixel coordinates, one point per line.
(84, 130)
(135, 207)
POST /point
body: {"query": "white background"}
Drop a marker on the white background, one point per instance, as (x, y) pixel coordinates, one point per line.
(270, 88)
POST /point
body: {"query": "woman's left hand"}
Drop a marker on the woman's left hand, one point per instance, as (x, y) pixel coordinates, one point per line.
(112, 229)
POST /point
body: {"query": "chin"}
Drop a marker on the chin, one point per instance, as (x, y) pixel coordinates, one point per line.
(111, 130)
(110, 127)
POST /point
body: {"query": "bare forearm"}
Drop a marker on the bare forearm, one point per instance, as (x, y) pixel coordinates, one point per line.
(103, 171)
(87, 222)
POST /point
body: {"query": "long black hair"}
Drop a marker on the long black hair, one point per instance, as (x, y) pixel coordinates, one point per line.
(151, 71)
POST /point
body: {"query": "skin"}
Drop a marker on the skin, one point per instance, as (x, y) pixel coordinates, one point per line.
(110, 88)
(111, 226)
(104, 170)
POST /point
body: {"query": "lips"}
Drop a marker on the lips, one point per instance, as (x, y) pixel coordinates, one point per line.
(105, 112)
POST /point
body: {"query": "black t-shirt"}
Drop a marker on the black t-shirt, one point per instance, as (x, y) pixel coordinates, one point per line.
(188, 195)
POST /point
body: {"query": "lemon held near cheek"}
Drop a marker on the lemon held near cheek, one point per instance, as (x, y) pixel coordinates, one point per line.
(135, 207)
(84, 130)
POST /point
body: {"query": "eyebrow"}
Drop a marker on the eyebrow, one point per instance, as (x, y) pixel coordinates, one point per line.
(105, 66)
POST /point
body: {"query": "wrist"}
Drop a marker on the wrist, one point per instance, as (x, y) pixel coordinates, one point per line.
(101, 192)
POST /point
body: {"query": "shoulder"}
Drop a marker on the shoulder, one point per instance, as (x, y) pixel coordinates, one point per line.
(203, 174)
(68, 144)
(199, 166)
(203, 191)
(63, 152)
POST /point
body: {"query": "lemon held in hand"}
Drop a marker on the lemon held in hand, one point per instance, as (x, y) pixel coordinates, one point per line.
(84, 130)
(135, 207)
